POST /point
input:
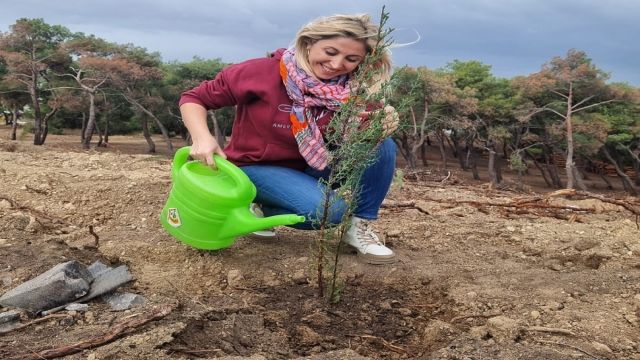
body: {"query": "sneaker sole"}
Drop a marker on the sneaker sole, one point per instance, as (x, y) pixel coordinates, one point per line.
(262, 235)
(375, 259)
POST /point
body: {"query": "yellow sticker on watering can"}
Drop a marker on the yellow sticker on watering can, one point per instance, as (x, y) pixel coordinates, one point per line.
(173, 217)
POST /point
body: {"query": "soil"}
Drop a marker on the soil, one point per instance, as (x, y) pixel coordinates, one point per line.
(472, 282)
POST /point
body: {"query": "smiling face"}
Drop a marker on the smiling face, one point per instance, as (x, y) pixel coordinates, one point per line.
(335, 56)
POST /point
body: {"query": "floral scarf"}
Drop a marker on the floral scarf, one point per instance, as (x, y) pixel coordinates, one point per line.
(307, 92)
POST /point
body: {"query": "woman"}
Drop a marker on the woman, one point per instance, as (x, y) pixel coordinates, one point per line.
(283, 105)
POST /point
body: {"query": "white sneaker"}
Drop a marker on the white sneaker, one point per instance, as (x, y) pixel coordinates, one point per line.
(367, 243)
(261, 234)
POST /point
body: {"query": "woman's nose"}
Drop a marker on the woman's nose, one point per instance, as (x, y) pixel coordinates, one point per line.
(337, 64)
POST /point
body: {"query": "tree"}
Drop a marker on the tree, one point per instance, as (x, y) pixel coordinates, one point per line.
(575, 84)
(137, 77)
(179, 77)
(32, 53)
(91, 72)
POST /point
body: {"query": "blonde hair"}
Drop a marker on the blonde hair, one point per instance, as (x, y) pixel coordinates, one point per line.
(357, 27)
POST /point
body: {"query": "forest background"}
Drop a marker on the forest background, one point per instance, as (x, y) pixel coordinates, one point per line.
(565, 122)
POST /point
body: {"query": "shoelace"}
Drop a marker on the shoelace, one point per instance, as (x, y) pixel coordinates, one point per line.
(366, 235)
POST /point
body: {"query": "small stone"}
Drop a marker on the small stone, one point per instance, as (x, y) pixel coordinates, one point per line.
(586, 244)
(631, 318)
(9, 316)
(306, 336)
(234, 278)
(386, 305)
(77, 307)
(404, 311)
(437, 331)
(119, 302)
(394, 233)
(89, 318)
(502, 328)
(535, 314)
(479, 333)
(601, 347)
(299, 277)
(555, 267)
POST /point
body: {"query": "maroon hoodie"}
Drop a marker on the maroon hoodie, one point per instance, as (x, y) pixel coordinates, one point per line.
(261, 132)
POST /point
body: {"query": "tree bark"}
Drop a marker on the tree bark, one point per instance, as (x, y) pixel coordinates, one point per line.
(45, 122)
(423, 153)
(163, 129)
(626, 182)
(491, 168)
(443, 154)
(635, 158)
(540, 168)
(84, 127)
(220, 138)
(472, 159)
(37, 114)
(14, 124)
(569, 166)
(91, 122)
(147, 135)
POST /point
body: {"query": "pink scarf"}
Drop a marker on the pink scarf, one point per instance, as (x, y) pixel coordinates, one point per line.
(306, 92)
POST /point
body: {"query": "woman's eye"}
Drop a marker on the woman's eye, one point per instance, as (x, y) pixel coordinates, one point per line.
(331, 53)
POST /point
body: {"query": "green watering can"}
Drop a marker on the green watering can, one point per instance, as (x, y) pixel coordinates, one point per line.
(208, 208)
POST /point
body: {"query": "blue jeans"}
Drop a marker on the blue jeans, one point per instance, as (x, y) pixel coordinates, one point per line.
(284, 190)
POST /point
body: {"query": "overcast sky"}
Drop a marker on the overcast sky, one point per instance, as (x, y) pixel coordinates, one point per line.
(515, 37)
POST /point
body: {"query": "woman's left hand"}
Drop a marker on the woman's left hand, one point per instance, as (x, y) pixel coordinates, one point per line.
(389, 122)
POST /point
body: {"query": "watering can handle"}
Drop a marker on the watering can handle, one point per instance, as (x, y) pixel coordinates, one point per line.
(182, 156)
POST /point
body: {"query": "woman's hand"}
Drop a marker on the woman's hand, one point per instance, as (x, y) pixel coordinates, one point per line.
(203, 149)
(204, 144)
(390, 121)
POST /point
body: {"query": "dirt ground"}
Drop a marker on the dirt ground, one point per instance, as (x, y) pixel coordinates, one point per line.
(471, 282)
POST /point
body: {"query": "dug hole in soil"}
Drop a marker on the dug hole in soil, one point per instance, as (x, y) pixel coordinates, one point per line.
(471, 282)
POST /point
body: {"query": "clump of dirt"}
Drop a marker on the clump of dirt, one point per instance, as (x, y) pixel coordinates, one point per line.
(479, 282)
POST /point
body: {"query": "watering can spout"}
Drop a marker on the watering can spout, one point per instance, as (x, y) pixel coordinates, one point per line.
(243, 222)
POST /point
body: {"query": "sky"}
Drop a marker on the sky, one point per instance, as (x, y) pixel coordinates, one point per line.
(514, 37)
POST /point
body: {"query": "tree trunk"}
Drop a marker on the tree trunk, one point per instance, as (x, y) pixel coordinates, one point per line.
(163, 129)
(404, 145)
(635, 158)
(45, 122)
(100, 143)
(443, 154)
(462, 160)
(37, 115)
(579, 179)
(540, 168)
(472, 160)
(220, 138)
(147, 135)
(626, 182)
(552, 169)
(423, 153)
(569, 167)
(91, 122)
(84, 127)
(105, 133)
(14, 124)
(491, 168)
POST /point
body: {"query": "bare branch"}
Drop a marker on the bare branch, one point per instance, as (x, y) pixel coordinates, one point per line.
(592, 105)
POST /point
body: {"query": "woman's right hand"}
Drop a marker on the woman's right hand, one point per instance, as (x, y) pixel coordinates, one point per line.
(204, 148)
